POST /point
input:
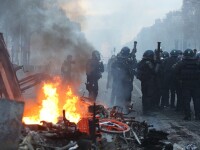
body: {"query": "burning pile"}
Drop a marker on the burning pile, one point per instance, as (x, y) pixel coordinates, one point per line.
(53, 99)
(60, 118)
(65, 120)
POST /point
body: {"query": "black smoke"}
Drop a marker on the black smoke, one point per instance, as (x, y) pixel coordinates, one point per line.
(44, 29)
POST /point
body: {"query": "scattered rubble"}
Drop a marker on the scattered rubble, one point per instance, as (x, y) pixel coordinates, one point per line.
(121, 132)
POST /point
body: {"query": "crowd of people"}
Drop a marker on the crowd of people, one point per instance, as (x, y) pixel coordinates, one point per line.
(169, 82)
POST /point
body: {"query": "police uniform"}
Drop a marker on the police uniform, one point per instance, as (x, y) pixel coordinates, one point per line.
(187, 71)
(169, 80)
(147, 75)
(94, 70)
(123, 71)
(160, 80)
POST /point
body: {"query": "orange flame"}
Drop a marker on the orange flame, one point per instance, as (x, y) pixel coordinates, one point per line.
(52, 105)
(50, 110)
(70, 105)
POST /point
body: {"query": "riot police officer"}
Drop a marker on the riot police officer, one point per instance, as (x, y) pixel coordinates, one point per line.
(180, 103)
(94, 70)
(147, 75)
(169, 79)
(122, 70)
(187, 71)
(160, 80)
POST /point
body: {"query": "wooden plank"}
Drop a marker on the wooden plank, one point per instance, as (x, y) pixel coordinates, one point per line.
(8, 73)
(6, 82)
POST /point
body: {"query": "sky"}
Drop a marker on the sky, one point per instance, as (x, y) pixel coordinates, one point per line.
(109, 24)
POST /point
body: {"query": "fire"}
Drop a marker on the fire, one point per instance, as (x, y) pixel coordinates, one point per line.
(71, 113)
(53, 103)
(50, 110)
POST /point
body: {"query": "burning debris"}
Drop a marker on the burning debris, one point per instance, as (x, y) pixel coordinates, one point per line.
(53, 100)
(110, 126)
(58, 126)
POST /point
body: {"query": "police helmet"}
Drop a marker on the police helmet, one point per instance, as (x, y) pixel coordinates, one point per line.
(96, 55)
(174, 53)
(198, 55)
(125, 51)
(165, 54)
(148, 54)
(195, 51)
(188, 54)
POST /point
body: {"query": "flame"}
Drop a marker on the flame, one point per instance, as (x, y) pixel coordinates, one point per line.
(31, 120)
(54, 102)
(71, 113)
(50, 110)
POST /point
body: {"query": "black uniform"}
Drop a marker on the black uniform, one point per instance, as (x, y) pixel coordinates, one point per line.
(180, 103)
(94, 70)
(123, 72)
(169, 81)
(187, 71)
(160, 79)
(147, 75)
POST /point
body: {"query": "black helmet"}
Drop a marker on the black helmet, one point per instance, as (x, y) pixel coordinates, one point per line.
(188, 54)
(96, 55)
(165, 54)
(198, 55)
(195, 51)
(125, 51)
(148, 54)
(174, 53)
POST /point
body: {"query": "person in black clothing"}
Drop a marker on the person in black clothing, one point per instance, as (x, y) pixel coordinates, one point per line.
(179, 104)
(160, 80)
(188, 74)
(146, 73)
(94, 70)
(169, 80)
(123, 72)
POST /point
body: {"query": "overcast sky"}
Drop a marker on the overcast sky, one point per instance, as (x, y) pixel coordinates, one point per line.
(112, 23)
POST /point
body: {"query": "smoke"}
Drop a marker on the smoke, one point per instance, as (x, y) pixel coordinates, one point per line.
(45, 28)
(75, 10)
